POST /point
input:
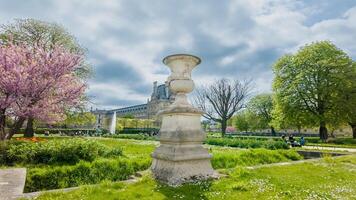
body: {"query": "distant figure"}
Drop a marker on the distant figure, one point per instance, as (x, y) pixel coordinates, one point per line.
(293, 142)
(302, 141)
(291, 139)
(46, 133)
(284, 138)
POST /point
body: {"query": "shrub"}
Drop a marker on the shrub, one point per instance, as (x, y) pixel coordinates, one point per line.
(231, 158)
(228, 141)
(82, 173)
(132, 136)
(66, 131)
(341, 141)
(247, 143)
(67, 151)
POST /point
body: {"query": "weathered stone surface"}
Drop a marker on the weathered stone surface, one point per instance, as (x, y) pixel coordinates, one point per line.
(12, 183)
(181, 157)
(175, 173)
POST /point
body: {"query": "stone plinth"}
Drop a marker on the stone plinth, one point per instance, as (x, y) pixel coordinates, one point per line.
(181, 158)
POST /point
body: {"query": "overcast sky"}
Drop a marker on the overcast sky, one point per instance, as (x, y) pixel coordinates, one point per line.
(127, 40)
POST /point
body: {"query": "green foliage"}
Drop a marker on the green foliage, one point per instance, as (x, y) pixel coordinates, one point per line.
(319, 180)
(244, 121)
(260, 107)
(311, 86)
(66, 131)
(82, 173)
(128, 122)
(132, 136)
(241, 142)
(230, 158)
(247, 143)
(54, 151)
(344, 141)
(78, 119)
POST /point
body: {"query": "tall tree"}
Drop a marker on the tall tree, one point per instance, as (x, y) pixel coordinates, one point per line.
(261, 106)
(221, 100)
(35, 83)
(312, 82)
(44, 35)
(349, 100)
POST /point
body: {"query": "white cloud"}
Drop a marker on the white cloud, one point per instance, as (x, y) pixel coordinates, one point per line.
(246, 34)
(112, 92)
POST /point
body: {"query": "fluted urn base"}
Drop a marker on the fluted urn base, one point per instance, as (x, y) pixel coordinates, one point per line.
(181, 158)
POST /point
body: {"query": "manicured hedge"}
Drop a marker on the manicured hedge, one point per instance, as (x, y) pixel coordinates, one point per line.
(68, 151)
(231, 142)
(150, 131)
(82, 173)
(247, 143)
(132, 136)
(65, 131)
(345, 141)
(230, 158)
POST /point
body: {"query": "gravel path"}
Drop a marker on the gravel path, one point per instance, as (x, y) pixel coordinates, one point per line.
(351, 150)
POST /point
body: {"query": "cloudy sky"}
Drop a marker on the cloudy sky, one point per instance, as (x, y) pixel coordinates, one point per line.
(126, 40)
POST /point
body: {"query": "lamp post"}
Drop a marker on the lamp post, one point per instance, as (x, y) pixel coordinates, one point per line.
(181, 158)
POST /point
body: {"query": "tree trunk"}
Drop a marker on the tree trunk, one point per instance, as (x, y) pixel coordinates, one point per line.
(16, 127)
(223, 128)
(29, 132)
(273, 131)
(323, 131)
(2, 124)
(353, 127)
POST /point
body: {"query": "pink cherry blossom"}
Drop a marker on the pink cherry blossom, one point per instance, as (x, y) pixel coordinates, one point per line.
(37, 83)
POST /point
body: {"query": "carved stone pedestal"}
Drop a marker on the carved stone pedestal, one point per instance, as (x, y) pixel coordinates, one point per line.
(181, 158)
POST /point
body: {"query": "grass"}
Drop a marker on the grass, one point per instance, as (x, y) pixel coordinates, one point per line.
(224, 158)
(247, 143)
(328, 179)
(331, 145)
(43, 174)
(135, 156)
(131, 148)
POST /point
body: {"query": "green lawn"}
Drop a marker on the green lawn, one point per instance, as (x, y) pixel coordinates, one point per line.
(327, 179)
(331, 178)
(135, 156)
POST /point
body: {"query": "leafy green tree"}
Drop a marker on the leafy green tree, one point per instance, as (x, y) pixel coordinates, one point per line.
(349, 100)
(312, 83)
(242, 121)
(128, 122)
(79, 119)
(284, 116)
(261, 106)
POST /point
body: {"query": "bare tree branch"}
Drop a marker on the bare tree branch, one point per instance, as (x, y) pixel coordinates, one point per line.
(222, 99)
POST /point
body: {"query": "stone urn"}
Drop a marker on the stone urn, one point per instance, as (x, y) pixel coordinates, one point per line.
(181, 158)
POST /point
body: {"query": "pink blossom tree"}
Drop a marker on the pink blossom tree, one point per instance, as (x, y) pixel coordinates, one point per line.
(36, 83)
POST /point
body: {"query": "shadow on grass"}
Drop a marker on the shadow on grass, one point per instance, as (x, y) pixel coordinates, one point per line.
(192, 191)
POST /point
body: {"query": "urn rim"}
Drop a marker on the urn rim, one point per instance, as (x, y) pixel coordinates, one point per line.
(180, 54)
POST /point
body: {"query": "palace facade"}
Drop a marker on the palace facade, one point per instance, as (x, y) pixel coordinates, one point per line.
(161, 97)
